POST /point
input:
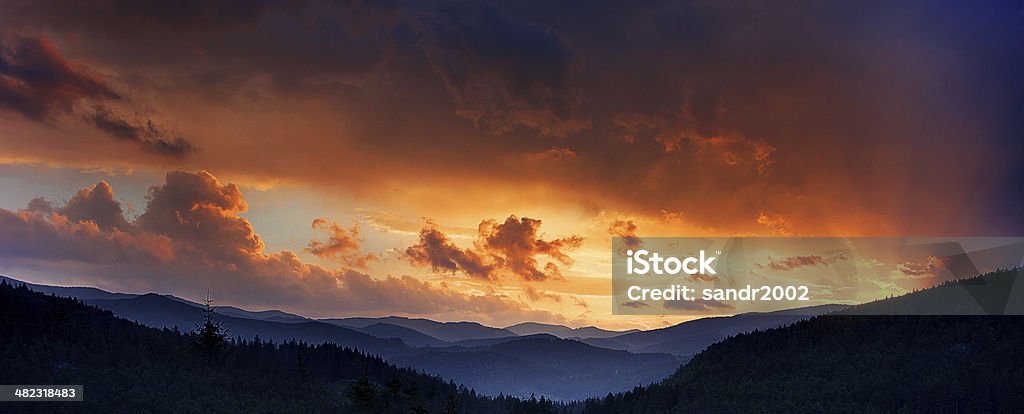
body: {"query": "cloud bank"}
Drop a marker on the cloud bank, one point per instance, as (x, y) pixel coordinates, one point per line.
(828, 120)
(190, 237)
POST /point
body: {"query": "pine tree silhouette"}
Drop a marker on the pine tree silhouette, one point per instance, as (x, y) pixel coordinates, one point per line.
(361, 392)
(300, 368)
(211, 337)
(453, 405)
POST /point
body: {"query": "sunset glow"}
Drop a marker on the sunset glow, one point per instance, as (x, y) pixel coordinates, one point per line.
(473, 161)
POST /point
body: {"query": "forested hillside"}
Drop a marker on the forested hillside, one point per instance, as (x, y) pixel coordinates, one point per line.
(129, 368)
(852, 364)
(515, 369)
(844, 363)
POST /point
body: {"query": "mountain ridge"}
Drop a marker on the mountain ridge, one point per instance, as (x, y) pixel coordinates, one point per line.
(691, 337)
(861, 359)
(514, 367)
(562, 331)
(445, 331)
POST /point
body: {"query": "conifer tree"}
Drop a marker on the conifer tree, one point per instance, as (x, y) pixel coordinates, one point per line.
(211, 337)
(362, 392)
(453, 405)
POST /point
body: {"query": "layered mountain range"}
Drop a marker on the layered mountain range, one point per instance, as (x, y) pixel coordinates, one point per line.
(554, 361)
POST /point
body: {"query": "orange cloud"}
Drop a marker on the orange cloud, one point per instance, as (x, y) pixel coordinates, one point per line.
(930, 266)
(626, 229)
(511, 246)
(190, 237)
(201, 214)
(435, 250)
(536, 295)
(89, 228)
(515, 244)
(776, 222)
(341, 245)
(96, 204)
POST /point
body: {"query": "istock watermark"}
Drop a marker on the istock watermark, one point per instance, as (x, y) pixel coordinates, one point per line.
(725, 276)
(642, 261)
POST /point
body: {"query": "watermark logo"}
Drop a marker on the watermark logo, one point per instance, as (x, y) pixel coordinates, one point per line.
(725, 276)
(642, 261)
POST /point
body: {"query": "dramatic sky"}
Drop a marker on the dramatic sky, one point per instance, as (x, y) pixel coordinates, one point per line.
(472, 160)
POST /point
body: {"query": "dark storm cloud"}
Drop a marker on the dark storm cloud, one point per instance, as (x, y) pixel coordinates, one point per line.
(818, 118)
(499, 72)
(224, 41)
(187, 13)
(503, 72)
(115, 15)
(147, 136)
(38, 83)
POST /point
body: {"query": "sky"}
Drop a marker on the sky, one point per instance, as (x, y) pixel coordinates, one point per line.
(471, 160)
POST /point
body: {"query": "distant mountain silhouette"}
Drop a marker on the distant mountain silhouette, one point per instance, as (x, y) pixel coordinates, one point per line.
(160, 311)
(445, 331)
(273, 315)
(128, 368)
(472, 343)
(689, 338)
(514, 370)
(684, 339)
(840, 362)
(513, 365)
(91, 293)
(481, 365)
(83, 293)
(530, 328)
(411, 337)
